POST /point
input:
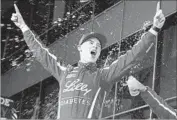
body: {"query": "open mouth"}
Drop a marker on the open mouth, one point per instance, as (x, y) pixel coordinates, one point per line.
(93, 52)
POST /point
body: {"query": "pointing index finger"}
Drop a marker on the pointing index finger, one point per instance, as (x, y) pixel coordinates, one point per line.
(16, 9)
(158, 6)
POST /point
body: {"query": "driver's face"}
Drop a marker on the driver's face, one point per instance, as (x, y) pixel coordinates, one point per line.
(90, 50)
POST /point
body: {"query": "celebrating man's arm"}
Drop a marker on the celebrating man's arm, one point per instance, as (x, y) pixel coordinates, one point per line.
(48, 60)
(158, 105)
(131, 57)
(155, 102)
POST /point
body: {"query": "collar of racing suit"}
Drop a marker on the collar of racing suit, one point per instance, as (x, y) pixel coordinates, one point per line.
(90, 66)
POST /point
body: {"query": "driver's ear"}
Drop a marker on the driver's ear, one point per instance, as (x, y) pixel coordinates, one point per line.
(79, 48)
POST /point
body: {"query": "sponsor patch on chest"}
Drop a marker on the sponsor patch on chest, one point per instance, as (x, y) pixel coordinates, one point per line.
(71, 75)
(73, 85)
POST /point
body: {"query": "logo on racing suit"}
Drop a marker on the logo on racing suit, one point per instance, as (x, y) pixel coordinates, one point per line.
(76, 85)
(76, 100)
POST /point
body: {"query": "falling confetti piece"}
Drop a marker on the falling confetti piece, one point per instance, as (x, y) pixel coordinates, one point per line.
(14, 63)
(16, 39)
(11, 39)
(3, 40)
(59, 19)
(16, 46)
(2, 25)
(2, 58)
(28, 64)
(82, 1)
(73, 16)
(82, 28)
(68, 13)
(9, 28)
(55, 22)
(8, 25)
(59, 24)
(27, 51)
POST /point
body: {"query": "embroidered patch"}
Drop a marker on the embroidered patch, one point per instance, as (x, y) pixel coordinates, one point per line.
(76, 100)
(71, 86)
(71, 75)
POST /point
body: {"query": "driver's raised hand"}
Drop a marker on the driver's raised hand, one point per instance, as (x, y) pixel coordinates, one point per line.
(18, 19)
(159, 18)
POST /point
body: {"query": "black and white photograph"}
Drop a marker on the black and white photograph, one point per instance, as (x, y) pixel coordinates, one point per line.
(88, 59)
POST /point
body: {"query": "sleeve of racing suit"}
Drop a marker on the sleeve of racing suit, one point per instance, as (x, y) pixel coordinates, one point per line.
(130, 58)
(42, 54)
(158, 105)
